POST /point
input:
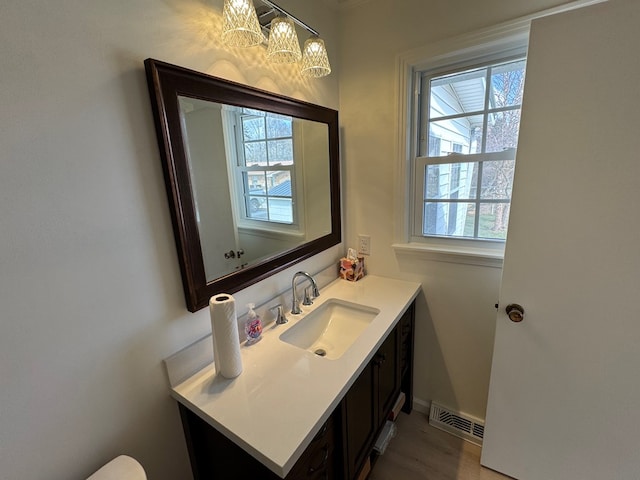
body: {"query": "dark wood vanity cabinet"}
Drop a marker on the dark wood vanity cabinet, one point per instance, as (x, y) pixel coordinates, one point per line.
(213, 456)
(407, 335)
(321, 459)
(343, 444)
(367, 404)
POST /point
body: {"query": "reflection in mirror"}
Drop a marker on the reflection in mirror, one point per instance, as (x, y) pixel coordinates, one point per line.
(260, 182)
(252, 178)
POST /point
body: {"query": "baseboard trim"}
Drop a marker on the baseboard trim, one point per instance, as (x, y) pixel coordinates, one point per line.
(422, 406)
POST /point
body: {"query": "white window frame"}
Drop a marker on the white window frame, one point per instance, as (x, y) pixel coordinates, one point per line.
(419, 163)
(484, 48)
(510, 36)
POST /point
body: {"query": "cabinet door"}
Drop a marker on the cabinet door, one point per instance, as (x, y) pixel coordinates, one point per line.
(360, 415)
(388, 366)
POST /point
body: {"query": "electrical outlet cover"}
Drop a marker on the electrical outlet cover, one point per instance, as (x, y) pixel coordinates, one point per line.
(364, 244)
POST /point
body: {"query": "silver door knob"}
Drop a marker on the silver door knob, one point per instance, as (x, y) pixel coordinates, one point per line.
(515, 312)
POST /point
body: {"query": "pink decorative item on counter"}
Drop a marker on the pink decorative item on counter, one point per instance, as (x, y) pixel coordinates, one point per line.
(351, 269)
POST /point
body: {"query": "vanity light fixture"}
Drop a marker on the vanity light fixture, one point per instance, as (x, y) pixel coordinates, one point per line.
(239, 30)
(315, 61)
(283, 41)
(240, 25)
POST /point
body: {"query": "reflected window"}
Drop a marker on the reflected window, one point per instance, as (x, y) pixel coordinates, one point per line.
(266, 166)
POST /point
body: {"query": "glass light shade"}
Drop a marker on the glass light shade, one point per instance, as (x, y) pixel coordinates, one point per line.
(315, 61)
(240, 26)
(283, 42)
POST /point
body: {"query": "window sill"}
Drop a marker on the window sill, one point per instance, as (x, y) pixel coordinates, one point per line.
(274, 233)
(467, 255)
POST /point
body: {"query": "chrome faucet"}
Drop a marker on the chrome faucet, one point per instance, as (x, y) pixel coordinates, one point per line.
(295, 305)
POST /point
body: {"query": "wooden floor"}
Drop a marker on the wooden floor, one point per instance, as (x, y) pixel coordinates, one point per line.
(420, 451)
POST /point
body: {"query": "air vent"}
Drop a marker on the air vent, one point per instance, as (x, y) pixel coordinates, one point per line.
(458, 424)
(478, 431)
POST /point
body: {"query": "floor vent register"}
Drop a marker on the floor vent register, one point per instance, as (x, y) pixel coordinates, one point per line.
(456, 423)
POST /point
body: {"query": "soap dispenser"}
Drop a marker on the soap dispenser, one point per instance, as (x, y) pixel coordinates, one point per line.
(253, 327)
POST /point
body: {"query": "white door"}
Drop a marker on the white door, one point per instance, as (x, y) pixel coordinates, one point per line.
(564, 399)
(203, 134)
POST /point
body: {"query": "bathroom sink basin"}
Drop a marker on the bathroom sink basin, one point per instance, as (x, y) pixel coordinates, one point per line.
(330, 330)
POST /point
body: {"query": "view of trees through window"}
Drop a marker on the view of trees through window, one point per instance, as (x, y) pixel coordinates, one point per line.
(267, 166)
(469, 137)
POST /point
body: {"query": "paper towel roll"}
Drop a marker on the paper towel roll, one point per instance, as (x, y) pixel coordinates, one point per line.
(224, 329)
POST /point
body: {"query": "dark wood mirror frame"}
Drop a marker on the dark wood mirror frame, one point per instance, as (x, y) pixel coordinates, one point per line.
(165, 83)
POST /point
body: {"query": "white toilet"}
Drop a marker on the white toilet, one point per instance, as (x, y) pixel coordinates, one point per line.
(120, 468)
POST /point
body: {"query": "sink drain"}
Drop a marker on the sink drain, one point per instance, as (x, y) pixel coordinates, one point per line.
(321, 352)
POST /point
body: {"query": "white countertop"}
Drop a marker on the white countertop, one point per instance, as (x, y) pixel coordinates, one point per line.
(285, 394)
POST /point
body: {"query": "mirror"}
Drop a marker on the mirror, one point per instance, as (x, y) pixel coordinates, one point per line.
(252, 178)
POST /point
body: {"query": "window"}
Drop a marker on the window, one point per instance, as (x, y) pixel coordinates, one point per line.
(265, 167)
(467, 129)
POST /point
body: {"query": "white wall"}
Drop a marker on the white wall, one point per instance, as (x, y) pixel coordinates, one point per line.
(455, 317)
(90, 293)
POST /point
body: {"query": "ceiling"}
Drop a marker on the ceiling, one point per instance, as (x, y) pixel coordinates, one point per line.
(343, 4)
